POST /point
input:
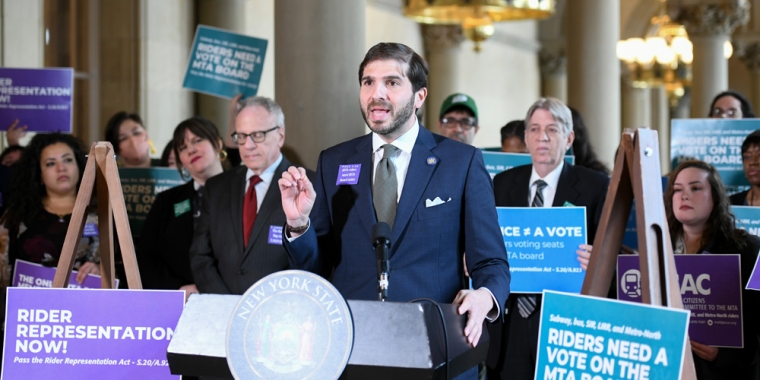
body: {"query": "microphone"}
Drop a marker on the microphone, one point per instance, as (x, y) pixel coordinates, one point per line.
(381, 241)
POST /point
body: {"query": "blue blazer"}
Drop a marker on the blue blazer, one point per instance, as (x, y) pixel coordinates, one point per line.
(427, 242)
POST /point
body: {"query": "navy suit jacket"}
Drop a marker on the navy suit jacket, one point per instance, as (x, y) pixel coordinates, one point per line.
(427, 242)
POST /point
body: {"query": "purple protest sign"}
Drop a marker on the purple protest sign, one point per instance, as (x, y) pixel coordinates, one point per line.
(89, 333)
(39, 98)
(32, 275)
(754, 279)
(710, 287)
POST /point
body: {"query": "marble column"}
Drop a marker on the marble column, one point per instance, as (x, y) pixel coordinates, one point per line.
(749, 53)
(637, 106)
(22, 39)
(228, 15)
(709, 24)
(319, 46)
(660, 122)
(593, 71)
(553, 63)
(442, 49)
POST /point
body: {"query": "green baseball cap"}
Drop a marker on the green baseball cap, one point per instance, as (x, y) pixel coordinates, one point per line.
(459, 99)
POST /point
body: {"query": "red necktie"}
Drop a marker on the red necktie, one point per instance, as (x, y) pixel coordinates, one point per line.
(249, 208)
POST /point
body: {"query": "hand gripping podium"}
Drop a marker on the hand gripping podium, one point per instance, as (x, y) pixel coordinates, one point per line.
(389, 339)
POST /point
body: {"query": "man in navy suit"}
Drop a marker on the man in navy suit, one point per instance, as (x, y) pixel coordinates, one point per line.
(443, 203)
(548, 135)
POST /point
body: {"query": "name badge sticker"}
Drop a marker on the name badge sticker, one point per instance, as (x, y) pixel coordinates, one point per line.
(90, 230)
(275, 235)
(181, 207)
(348, 174)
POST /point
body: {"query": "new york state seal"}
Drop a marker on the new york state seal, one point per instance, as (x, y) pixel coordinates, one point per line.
(290, 325)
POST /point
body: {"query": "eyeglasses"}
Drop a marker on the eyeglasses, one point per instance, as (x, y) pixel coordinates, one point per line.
(719, 112)
(466, 123)
(257, 137)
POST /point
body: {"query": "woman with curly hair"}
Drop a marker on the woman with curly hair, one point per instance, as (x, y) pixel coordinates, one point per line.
(700, 221)
(40, 202)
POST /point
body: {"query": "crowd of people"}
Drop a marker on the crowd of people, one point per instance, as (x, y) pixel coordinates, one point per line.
(247, 212)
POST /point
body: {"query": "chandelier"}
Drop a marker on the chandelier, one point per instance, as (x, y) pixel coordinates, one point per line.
(663, 57)
(476, 16)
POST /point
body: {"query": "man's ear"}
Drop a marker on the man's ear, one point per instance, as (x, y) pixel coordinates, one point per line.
(419, 97)
(570, 139)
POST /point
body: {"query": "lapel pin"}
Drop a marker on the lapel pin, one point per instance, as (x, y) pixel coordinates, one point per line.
(431, 160)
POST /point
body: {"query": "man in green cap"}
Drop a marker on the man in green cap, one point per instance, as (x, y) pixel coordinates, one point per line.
(459, 118)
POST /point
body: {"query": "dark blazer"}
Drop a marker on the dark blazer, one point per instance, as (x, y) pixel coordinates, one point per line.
(739, 199)
(163, 252)
(577, 185)
(220, 262)
(427, 242)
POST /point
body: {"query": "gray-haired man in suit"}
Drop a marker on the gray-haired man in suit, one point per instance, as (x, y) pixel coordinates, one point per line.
(238, 238)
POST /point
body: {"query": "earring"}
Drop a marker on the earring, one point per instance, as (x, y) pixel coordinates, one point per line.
(152, 147)
(184, 173)
(222, 155)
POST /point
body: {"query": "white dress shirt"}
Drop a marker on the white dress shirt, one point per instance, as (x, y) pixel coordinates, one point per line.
(551, 179)
(266, 180)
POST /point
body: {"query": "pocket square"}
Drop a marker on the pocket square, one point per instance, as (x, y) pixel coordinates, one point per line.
(435, 202)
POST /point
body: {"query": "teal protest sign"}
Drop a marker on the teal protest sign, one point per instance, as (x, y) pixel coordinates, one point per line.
(497, 162)
(591, 338)
(140, 187)
(224, 63)
(715, 141)
(541, 244)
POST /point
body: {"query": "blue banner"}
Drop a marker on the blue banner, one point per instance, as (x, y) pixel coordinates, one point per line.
(140, 187)
(225, 64)
(747, 218)
(593, 338)
(541, 244)
(497, 162)
(715, 141)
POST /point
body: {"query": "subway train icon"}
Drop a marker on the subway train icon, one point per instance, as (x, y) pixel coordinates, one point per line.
(630, 283)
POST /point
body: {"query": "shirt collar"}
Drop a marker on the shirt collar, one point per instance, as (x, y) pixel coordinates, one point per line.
(551, 179)
(405, 142)
(266, 175)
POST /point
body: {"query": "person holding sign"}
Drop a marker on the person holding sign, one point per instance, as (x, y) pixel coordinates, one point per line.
(238, 236)
(548, 181)
(125, 131)
(163, 252)
(700, 221)
(751, 163)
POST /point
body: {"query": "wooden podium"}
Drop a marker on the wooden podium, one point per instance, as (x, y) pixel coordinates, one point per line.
(100, 169)
(637, 175)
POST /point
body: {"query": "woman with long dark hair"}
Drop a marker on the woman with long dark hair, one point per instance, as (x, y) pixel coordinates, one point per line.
(700, 221)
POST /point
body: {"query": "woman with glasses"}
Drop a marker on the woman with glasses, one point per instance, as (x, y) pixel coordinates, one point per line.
(730, 105)
(163, 250)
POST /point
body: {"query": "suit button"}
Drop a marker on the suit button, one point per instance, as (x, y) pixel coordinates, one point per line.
(242, 272)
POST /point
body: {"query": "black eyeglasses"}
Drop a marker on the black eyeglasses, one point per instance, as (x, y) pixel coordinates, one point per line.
(466, 123)
(257, 137)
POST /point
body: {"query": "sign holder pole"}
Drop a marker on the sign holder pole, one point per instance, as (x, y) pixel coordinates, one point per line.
(637, 175)
(100, 171)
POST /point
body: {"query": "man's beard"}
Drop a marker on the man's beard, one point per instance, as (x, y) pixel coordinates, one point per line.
(403, 115)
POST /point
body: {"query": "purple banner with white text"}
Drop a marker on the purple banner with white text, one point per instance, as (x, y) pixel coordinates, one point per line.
(89, 333)
(41, 99)
(33, 275)
(710, 287)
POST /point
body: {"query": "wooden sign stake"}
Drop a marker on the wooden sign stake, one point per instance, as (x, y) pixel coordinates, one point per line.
(637, 175)
(101, 169)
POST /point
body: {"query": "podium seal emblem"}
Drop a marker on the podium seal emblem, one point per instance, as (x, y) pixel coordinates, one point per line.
(290, 325)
